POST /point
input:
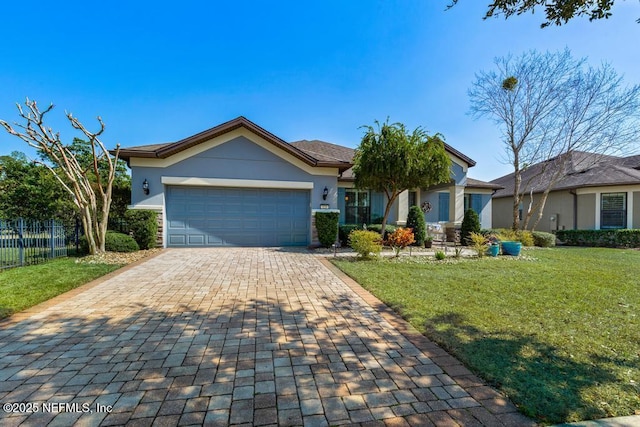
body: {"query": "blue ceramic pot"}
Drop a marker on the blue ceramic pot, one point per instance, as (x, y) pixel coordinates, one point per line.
(511, 248)
(493, 250)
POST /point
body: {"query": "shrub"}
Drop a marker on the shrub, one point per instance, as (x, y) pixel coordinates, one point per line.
(440, 255)
(143, 225)
(114, 242)
(118, 242)
(400, 239)
(624, 238)
(543, 240)
(327, 226)
(416, 222)
(377, 227)
(470, 224)
(479, 243)
(344, 231)
(506, 234)
(525, 237)
(377, 219)
(365, 242)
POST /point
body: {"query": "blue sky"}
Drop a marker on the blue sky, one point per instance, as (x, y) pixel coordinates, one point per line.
(161, 71)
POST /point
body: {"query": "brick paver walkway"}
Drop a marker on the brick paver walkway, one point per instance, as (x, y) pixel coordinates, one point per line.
(232, 337)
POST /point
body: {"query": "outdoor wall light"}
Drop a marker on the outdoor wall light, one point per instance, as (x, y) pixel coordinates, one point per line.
(145, 187)
(325, 193)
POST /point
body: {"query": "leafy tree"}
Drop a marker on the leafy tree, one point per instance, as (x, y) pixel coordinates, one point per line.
(548, 105)
(557, 12)
(92, 199)
(470, 224)
(391, 160)
(29, 190)
(416, 222)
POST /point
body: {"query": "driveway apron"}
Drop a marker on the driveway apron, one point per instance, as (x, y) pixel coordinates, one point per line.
(236, 336)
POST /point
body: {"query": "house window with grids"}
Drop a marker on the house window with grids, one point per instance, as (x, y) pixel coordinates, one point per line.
(613, 210)
(357, 207)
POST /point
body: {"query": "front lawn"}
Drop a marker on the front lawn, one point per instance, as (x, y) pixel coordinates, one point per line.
(23, 287)
(558, 330)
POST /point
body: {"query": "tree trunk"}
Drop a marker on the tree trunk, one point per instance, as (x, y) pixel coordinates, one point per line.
(390, 199)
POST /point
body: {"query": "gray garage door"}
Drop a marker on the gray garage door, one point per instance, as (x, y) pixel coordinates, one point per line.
(207, 216)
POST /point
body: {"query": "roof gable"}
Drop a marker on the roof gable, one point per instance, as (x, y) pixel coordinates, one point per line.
(164, 151)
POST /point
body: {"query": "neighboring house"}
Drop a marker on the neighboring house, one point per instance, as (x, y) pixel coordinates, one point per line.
(238, 184)
(594, 192)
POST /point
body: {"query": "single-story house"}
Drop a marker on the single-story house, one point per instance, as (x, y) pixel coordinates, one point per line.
(594, 192)
(238, 184)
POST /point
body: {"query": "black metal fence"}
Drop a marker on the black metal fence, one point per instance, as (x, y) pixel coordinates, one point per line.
(25, 242)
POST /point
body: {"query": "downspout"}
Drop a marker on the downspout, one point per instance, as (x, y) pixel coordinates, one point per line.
(575, 208)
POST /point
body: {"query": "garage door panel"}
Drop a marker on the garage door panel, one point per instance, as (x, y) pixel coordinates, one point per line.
(177, 240)
(237, 217)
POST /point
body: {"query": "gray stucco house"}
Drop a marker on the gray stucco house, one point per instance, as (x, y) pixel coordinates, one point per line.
(594, 192)
(238, 184)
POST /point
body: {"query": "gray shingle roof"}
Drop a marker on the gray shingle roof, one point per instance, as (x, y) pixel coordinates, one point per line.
(325, 150)
(476, 183)
(580, 170)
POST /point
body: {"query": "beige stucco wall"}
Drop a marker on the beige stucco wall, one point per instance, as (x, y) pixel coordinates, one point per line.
(501, 212)
(586, 211)
(559, 205)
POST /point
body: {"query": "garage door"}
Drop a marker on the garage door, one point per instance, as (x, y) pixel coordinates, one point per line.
(208, 216)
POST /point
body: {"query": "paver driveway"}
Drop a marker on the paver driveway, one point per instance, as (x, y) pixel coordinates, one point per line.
(232, 336)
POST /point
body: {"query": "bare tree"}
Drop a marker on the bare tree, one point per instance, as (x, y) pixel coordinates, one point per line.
(68, 170)
(549, 106)
(598, 117)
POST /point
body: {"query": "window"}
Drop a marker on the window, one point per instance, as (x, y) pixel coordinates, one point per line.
(473, 201)
(356, 207)
(413, 198)
(613, 210)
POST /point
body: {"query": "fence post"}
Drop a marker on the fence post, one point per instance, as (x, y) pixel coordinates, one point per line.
(52, 242)
(21, 241)
(77, 235)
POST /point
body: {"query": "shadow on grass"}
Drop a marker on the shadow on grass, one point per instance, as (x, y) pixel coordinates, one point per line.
(543, 383)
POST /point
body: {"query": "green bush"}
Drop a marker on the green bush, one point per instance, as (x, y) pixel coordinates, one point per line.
(118, 242)
(344, 231)
(114, 242)
(144, 227)
(479, 243)
(377, 227)
(623, 238)
(415, 221)
(440, 255)
(365, 242)
(470, 224)
(327, 226)
(508, 235)
(543, 240)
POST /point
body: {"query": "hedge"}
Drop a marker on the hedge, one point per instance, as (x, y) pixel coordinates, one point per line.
(113, 242)
(622, 238)
(543, 240)
(143, 225)
(527, 238)
(327, 226)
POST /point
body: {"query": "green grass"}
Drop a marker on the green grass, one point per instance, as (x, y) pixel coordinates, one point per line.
(23, 287)
(558, 331)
